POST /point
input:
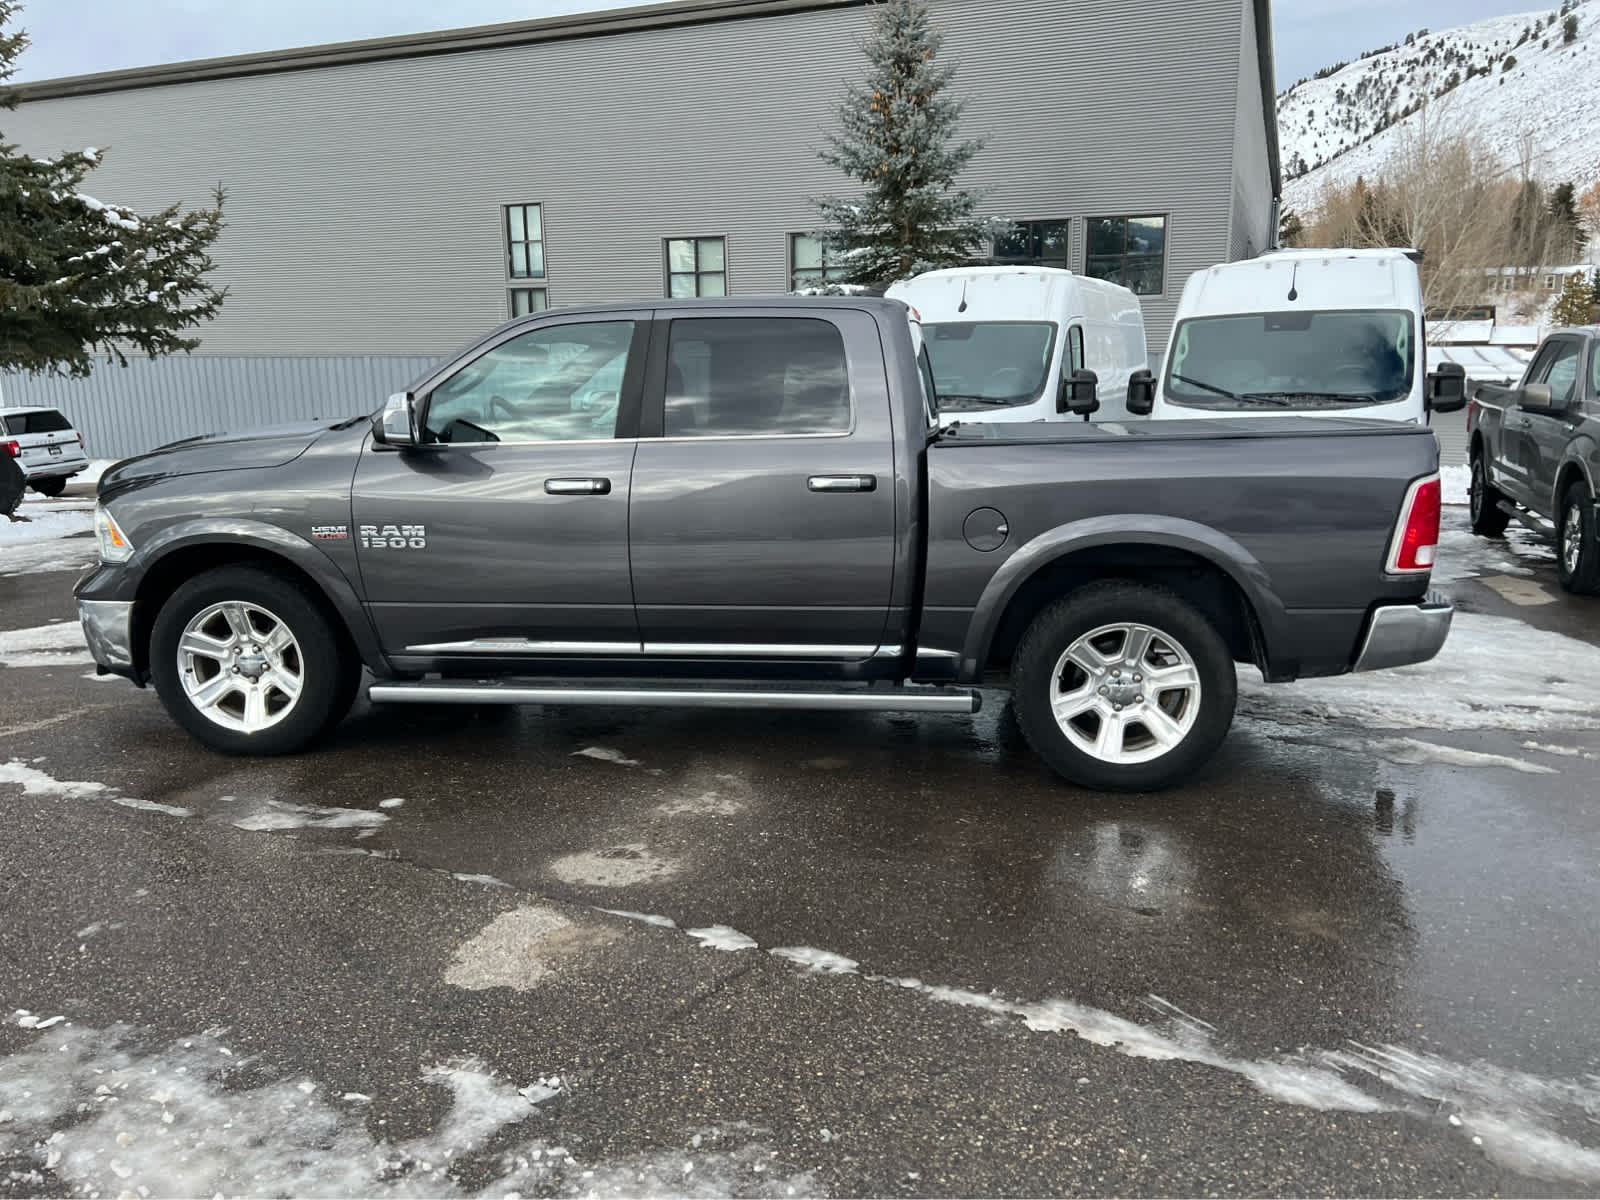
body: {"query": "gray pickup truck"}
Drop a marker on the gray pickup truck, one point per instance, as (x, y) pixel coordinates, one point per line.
(1536, 453)
(740, 504)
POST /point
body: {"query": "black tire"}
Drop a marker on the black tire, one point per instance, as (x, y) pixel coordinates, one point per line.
(53, 486)
(1488, 518)
(328, 672)
(1577, 543)
(1042, 653)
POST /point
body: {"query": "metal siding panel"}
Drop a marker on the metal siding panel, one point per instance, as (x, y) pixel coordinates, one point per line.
(126, 412)
(364, 199)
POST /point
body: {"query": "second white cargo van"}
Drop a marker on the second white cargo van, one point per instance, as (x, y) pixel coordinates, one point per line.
(1004, 341)
(1334, 333)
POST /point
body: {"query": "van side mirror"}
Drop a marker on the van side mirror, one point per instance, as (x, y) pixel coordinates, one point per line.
(1079, 394)
(1535, 396)
(1141, 392)
(1447, 388)
(396, 425)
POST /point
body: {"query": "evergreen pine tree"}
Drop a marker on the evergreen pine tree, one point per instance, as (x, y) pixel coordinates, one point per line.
(1567, 236)
(898, 137)
(1575, 305)
(79, 276)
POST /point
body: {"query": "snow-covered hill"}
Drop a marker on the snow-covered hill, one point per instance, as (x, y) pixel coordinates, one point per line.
(1510, 79)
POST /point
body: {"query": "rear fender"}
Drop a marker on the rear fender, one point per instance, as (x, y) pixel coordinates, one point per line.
(1223, 552)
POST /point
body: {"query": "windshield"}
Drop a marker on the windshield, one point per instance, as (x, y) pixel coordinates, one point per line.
(1337, 359)
(979, 364)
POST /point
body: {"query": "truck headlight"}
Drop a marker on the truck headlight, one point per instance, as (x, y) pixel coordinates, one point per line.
(114, 545)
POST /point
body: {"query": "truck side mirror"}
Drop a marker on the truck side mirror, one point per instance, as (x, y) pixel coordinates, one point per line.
(1079, 394)
(1141, 393)
(396, 425)
(1535, 396)
(1447, 388)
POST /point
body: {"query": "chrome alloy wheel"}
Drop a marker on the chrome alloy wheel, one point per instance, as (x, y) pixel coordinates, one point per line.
(241, 666)
(1572, 538)
(1126, 693)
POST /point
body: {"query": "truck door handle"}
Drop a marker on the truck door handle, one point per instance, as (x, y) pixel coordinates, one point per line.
(577, 487)
(842, 483)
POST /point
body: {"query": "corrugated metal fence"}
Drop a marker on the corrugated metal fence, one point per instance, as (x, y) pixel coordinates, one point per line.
(126, 411)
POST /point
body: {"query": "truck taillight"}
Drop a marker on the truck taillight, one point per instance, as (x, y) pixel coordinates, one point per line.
(1416, 538)
(11, 448)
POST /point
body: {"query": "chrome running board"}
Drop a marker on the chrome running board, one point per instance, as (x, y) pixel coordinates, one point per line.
(897, 699)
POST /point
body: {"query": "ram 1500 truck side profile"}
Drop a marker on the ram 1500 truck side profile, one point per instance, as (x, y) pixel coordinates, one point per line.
(1535, 451)
(748, 503)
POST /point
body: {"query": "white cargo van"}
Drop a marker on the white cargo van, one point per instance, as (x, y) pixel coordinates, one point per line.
(1005, 342)
(1304, 332)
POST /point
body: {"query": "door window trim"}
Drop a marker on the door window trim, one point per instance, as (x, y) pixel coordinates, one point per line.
(629, 407)
(652, 423)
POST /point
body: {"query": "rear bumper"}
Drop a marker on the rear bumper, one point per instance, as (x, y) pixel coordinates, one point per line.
(1400, 634)
(50, 468)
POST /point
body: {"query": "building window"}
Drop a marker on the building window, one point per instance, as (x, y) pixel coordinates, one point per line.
(524, 241)
(1129, 250)
(527, 300)
(697, 267)
(812, 263)
(1032, 244)
(1549, 283)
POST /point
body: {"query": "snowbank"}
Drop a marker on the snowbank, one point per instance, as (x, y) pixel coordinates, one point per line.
(1455, 480)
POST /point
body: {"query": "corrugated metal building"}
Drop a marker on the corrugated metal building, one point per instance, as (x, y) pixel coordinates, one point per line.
(389, 200)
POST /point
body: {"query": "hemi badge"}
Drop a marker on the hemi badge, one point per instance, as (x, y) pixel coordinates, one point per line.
(330, 533)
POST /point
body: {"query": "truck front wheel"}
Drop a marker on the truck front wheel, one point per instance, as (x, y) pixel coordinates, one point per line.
(1123, 687)
(248, 663)
(1577, 542)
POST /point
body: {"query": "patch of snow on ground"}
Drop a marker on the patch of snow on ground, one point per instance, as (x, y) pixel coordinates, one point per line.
(52, 540)
(1493, 673)
(57, 645)
(109, 1113)
(1455, 480)
(822, 962)
(723, 937)
(1411, 752)
(392, 802)
(278, 815)
(1561, 751)
(606, 754)
(648, 918)
(36, 783)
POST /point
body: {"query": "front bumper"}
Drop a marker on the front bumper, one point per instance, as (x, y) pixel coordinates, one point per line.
(1401, 634)
(108, 628)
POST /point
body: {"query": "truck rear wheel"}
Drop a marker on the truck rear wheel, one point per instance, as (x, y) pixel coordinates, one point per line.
(53, 486)
(1577, 542)
(1123, 687)
(1488, 518)
(249, 664)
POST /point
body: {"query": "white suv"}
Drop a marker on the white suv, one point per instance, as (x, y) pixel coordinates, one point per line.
(45, 445)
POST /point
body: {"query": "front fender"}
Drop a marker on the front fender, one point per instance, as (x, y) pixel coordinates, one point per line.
(1175, 533)
(230, 532)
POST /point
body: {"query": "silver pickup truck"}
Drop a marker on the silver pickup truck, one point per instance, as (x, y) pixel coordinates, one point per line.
(1536, 453)
(756, 503)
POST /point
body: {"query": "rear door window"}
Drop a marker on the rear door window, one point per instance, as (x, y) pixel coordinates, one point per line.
(756, 376)
(47, 421)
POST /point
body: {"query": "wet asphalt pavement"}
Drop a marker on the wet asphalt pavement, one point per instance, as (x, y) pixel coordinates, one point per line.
(1357, 955)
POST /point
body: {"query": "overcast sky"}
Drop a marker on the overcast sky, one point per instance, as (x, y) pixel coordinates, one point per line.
(75, 37)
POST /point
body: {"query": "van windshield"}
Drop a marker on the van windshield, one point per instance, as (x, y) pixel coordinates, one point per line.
(1336, 359)
(982, 364)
